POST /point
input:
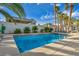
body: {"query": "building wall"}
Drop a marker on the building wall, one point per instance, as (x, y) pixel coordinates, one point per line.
(40, 27)
(10, 27)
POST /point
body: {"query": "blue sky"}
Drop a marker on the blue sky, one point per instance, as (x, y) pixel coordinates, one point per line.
(42, 12)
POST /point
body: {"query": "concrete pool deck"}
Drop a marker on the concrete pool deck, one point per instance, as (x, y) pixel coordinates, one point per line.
(66, 47)
(8, 47)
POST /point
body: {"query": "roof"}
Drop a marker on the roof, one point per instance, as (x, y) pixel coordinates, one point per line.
(1, 22)
(23, 20)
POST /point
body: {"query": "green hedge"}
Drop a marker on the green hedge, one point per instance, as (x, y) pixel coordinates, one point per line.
(3, 28)
(34, 29)
(17, 31)
(27, 30)
(42, 30)
(47, 29)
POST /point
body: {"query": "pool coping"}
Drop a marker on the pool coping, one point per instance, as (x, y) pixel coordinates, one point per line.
(40, 46)
(37, 33)
(11, 36)
(71, 35)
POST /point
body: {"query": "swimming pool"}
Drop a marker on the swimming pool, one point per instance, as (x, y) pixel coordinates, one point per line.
(29, 42)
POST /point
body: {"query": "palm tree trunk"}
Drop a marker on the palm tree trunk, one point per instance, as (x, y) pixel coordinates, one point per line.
(61, 25)
(54, 18)
(69, 23)
(58, 26)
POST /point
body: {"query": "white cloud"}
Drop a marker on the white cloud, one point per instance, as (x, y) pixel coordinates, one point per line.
(46, 17)
(58, 4)
(51, 4)
(38, 3)
(76, 13)
(67, 12)
(2, 19)
(1, 7)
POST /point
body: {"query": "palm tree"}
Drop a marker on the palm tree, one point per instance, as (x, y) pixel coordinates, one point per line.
(76, 23)
(69, 19)
(54, 18)
(66, 8)
(56, 9)
(15, 7)
(69, 23)
(59, 21)
(65, 19)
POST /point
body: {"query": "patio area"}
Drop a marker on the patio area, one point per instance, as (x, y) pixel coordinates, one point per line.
(8, 47)
(66, 47)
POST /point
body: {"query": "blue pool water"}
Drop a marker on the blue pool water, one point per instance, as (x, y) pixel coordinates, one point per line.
(28, 42)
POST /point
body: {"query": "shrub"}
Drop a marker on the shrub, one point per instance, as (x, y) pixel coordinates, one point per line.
(42, 30)
(47, 29)
(3, 28)
(50, 30)
(34, 29)
(17, 31)
(26, 30)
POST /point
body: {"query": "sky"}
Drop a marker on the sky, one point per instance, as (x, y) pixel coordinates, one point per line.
(42, 12)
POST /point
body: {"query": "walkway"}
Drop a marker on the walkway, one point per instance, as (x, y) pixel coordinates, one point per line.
(8, 47)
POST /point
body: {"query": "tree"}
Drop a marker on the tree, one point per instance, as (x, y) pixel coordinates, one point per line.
(3, 28)
(65, 19)
(17, 31)
(35, 29)
(70, 16)
(47, 29)
(60, 16)
(26, 30)
(66, 8)
(15, 7)
(69, 23)
(56, 9)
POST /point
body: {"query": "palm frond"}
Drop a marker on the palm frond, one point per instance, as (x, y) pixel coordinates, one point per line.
(6, 15)
(16, 8)
(20, 8)
(66, 6)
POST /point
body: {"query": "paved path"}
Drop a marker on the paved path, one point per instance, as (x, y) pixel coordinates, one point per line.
(8, 47)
